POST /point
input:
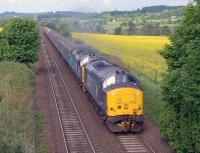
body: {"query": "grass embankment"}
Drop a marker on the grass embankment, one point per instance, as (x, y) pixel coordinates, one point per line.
(139, 54)
(20, 123)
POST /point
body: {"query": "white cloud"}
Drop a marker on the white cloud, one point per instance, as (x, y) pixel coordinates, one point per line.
(106, 2)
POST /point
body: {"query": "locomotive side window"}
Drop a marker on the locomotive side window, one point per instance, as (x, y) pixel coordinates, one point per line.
(109, 81)
(131, 79)
(84, 61)
(121, 77)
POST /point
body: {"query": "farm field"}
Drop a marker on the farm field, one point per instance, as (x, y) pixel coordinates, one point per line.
(138, 53)
(1, 29)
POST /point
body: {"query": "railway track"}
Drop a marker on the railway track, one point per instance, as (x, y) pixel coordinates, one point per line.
(74, 133)
(133, 144)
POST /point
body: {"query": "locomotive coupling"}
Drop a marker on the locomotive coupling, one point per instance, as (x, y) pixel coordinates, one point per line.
(125, 126)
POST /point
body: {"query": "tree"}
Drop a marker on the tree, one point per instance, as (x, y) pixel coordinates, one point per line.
(118, 31)
(4, 47)
(180, 122)
(165, 30)
(51, 25)
(157, 29)
(64, 29)
(148, 29)
(77, 25)
(132, 28)
(21, 40)
(100, 28)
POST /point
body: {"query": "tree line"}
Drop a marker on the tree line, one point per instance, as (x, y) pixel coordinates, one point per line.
(58, 26)
(150, 29)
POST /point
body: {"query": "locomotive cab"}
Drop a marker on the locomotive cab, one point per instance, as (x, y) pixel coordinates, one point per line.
(124, 103)
(117, 94)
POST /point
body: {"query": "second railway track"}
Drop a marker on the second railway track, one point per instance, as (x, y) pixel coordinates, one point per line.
(73, 130)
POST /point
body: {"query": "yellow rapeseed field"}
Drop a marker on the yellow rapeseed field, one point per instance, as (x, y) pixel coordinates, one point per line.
(139, 53)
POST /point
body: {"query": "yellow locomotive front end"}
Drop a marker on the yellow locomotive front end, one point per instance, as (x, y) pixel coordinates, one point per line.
(125, 109)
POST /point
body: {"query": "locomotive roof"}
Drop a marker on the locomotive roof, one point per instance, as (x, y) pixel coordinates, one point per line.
(102, 68)
(82, 52)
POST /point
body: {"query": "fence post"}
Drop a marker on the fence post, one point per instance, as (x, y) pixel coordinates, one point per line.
(156, 76)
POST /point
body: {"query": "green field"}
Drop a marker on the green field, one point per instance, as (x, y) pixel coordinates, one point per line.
(138, 54)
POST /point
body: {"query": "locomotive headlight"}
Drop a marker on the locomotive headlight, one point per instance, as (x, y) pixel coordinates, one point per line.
(126, 106)
(132, 99)
(119, 107)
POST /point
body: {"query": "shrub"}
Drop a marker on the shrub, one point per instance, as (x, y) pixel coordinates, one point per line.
(20, 41)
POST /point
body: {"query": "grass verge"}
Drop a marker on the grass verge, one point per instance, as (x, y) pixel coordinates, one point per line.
(19, 127)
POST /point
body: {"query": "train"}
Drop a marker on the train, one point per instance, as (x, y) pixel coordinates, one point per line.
(115, 93)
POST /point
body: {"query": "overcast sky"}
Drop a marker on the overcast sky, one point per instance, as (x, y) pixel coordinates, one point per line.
(81, 5)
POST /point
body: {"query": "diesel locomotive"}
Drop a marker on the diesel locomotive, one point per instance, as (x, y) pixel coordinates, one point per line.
(115, 93)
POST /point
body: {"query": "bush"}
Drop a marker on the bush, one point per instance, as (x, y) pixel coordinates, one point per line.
(58, 26)
(20, 41)
(118, 31)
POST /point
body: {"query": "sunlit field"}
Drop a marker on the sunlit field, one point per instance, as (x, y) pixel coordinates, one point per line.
(139, 53)
(1, 29)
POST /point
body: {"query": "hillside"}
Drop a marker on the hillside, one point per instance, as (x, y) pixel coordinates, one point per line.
(153, 20)
(63, 14)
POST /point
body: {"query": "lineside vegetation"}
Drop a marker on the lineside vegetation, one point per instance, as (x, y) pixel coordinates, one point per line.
(17, 118)
(180, 120)
(20, 122)
(19, 41)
